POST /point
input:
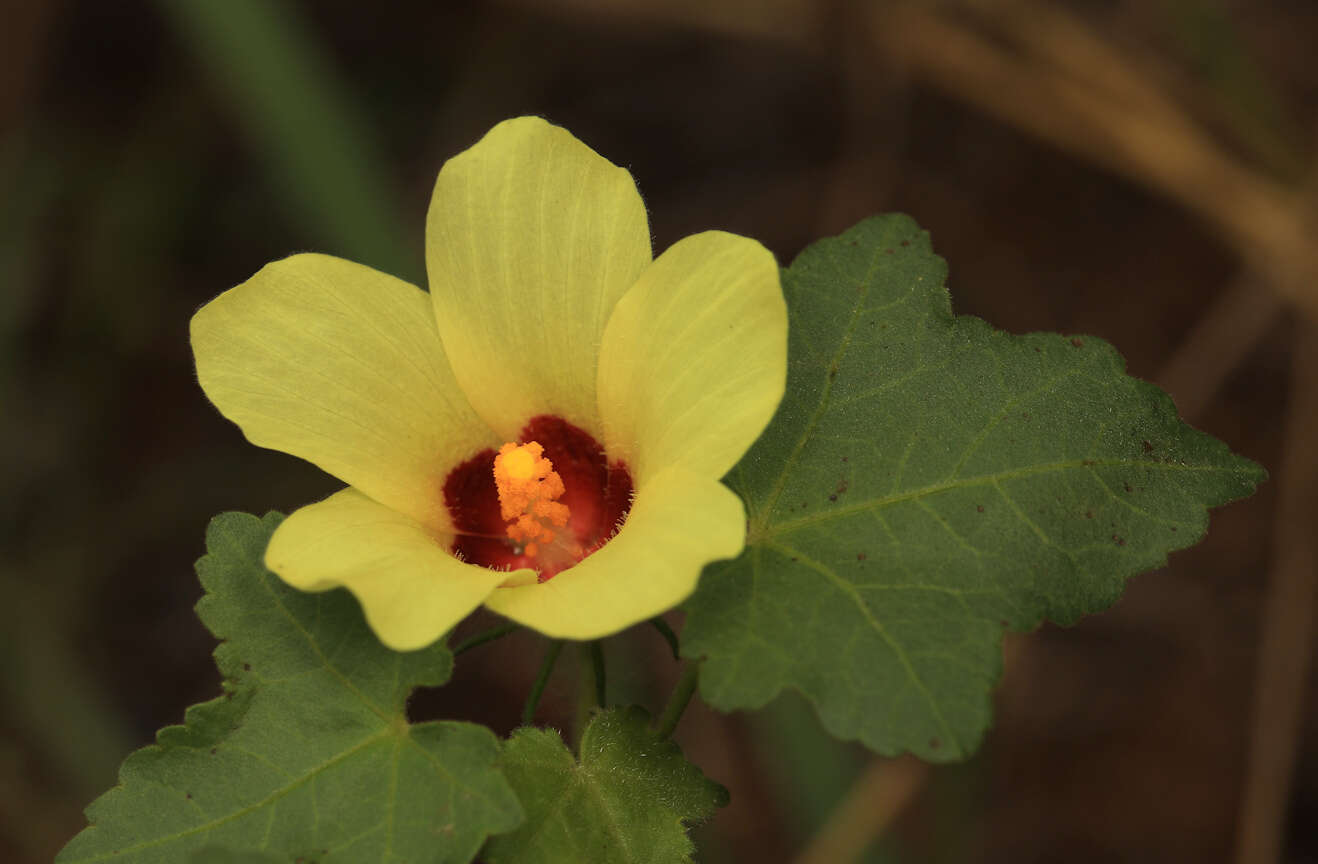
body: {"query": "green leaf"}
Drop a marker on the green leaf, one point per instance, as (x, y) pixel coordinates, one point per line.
(218, 855)
(927, 483)
(309, 752)
(628, 801)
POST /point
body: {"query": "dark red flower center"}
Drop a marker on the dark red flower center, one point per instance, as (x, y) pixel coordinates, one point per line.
(597, 495)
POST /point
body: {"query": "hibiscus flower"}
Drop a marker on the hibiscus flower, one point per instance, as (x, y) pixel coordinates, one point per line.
(543, 432)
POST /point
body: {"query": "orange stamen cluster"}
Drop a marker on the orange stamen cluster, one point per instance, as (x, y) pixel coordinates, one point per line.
(528, 489)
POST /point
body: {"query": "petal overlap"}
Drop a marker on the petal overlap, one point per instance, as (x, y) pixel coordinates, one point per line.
(411, 589)
(545, 312)
(694, 360)
(679, 522)
(341, 365)
(531, 238)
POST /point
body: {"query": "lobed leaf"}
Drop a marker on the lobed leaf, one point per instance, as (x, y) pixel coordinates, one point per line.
(628, 801)
(927, 483)
(309, 754)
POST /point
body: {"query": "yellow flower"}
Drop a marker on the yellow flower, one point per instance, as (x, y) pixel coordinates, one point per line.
(544, 432)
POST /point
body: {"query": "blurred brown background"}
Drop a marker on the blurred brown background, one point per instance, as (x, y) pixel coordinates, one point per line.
(1141, 171)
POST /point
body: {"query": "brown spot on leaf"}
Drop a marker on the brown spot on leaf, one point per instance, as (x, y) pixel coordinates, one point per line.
(1126, 486)
(832, 497)
(1118, 540)
(1089, 514)
(934, 743)
(906, 242)
(1078, 342)
(860, 556)
(1088, 462)
(1148, 448)
(979, 508)
(888, 251)
(247, 667)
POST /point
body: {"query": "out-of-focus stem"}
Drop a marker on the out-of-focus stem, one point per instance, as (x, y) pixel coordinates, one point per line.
(680, 698)
(485, 636)
(669, 636)
(876, 798)
(538, 688)
(1286, 628)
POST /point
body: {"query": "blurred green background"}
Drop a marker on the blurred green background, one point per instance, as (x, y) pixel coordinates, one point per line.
(1141, 171)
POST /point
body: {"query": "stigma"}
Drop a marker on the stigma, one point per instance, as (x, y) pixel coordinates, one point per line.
(529, 489)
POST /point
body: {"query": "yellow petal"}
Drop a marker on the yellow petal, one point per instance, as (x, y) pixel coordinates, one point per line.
(694, 360)
(410, 588)
(679, 523)
(530, 240)
(341, 365)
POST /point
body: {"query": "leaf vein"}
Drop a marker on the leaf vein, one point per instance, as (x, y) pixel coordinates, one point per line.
(853, 594)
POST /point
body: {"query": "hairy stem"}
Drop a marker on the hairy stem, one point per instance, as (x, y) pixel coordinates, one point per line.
(538, 689)
(590, 687)
(667, 632)
(484, 636)
(597, 669)
(680, 698)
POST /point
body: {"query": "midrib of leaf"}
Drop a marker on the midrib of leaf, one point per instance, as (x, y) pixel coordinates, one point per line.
(849, 589)
(759, 534)
(943, 355)
(612, 822)
(307, 777)
(1125, 502)
(584, 779)
(393, 802)
(767, 536)
(993, 423)
(385, 716)
(559, 803)
(237, 814)
(771, 501)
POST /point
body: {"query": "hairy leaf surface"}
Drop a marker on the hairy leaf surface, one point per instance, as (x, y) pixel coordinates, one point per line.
(628, 801)
(927, 483)
(309, 754)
